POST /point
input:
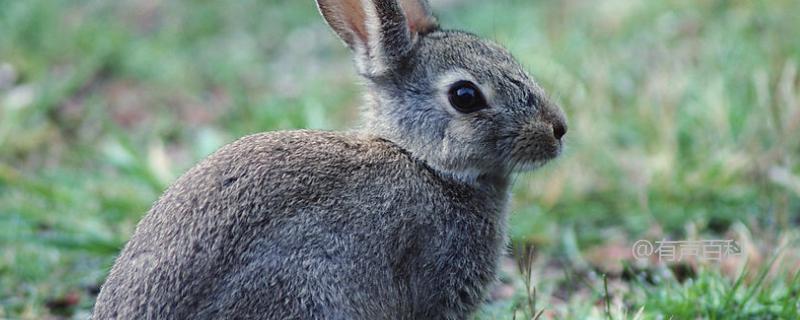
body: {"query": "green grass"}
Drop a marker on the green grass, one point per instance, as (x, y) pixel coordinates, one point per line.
(684, 124)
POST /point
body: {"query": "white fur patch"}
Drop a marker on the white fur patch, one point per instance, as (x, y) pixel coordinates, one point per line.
(374, 39)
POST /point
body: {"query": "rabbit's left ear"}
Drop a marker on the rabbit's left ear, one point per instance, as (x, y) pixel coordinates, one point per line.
(380, 32)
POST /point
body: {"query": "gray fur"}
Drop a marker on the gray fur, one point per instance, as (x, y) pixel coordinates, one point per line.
(403, 219)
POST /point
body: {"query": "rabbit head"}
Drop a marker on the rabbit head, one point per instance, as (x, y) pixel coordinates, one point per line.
(460, 103)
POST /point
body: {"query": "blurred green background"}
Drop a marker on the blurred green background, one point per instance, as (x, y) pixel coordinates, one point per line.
(684, 124)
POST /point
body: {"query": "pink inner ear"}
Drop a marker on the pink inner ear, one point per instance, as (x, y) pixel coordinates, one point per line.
(347, 18)
(419, 19)
(355, 18)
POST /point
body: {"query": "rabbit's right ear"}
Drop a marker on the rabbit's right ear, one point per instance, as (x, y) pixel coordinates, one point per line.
(380, 32)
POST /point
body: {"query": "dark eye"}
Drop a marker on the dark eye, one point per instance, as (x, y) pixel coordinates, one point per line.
(465, 97)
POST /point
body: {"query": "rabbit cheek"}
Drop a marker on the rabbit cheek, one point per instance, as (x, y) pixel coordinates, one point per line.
(463, 143)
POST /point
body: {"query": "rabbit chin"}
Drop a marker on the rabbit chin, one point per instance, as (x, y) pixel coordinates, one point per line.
(527, 166)
(530, 164)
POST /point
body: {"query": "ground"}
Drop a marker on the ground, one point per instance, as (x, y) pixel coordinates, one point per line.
(684, 118)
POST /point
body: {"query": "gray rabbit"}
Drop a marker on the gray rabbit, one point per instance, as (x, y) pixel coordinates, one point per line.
(403, 219)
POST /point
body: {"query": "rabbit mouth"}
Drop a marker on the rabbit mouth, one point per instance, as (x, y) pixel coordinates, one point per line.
(531, 156)
(534, 145)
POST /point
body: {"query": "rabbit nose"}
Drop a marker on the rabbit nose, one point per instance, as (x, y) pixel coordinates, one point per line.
(559, 129)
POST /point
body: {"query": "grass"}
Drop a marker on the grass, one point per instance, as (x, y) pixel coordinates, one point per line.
(684, 118)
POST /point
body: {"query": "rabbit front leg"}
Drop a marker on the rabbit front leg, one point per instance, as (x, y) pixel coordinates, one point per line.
(450, 274)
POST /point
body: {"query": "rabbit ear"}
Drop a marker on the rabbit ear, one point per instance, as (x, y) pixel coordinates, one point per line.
(419, 16)
(380, 32)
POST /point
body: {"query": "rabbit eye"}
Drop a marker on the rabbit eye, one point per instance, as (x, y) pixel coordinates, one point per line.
(465, 97)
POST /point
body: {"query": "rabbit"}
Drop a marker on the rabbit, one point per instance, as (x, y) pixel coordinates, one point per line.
(401, 218)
